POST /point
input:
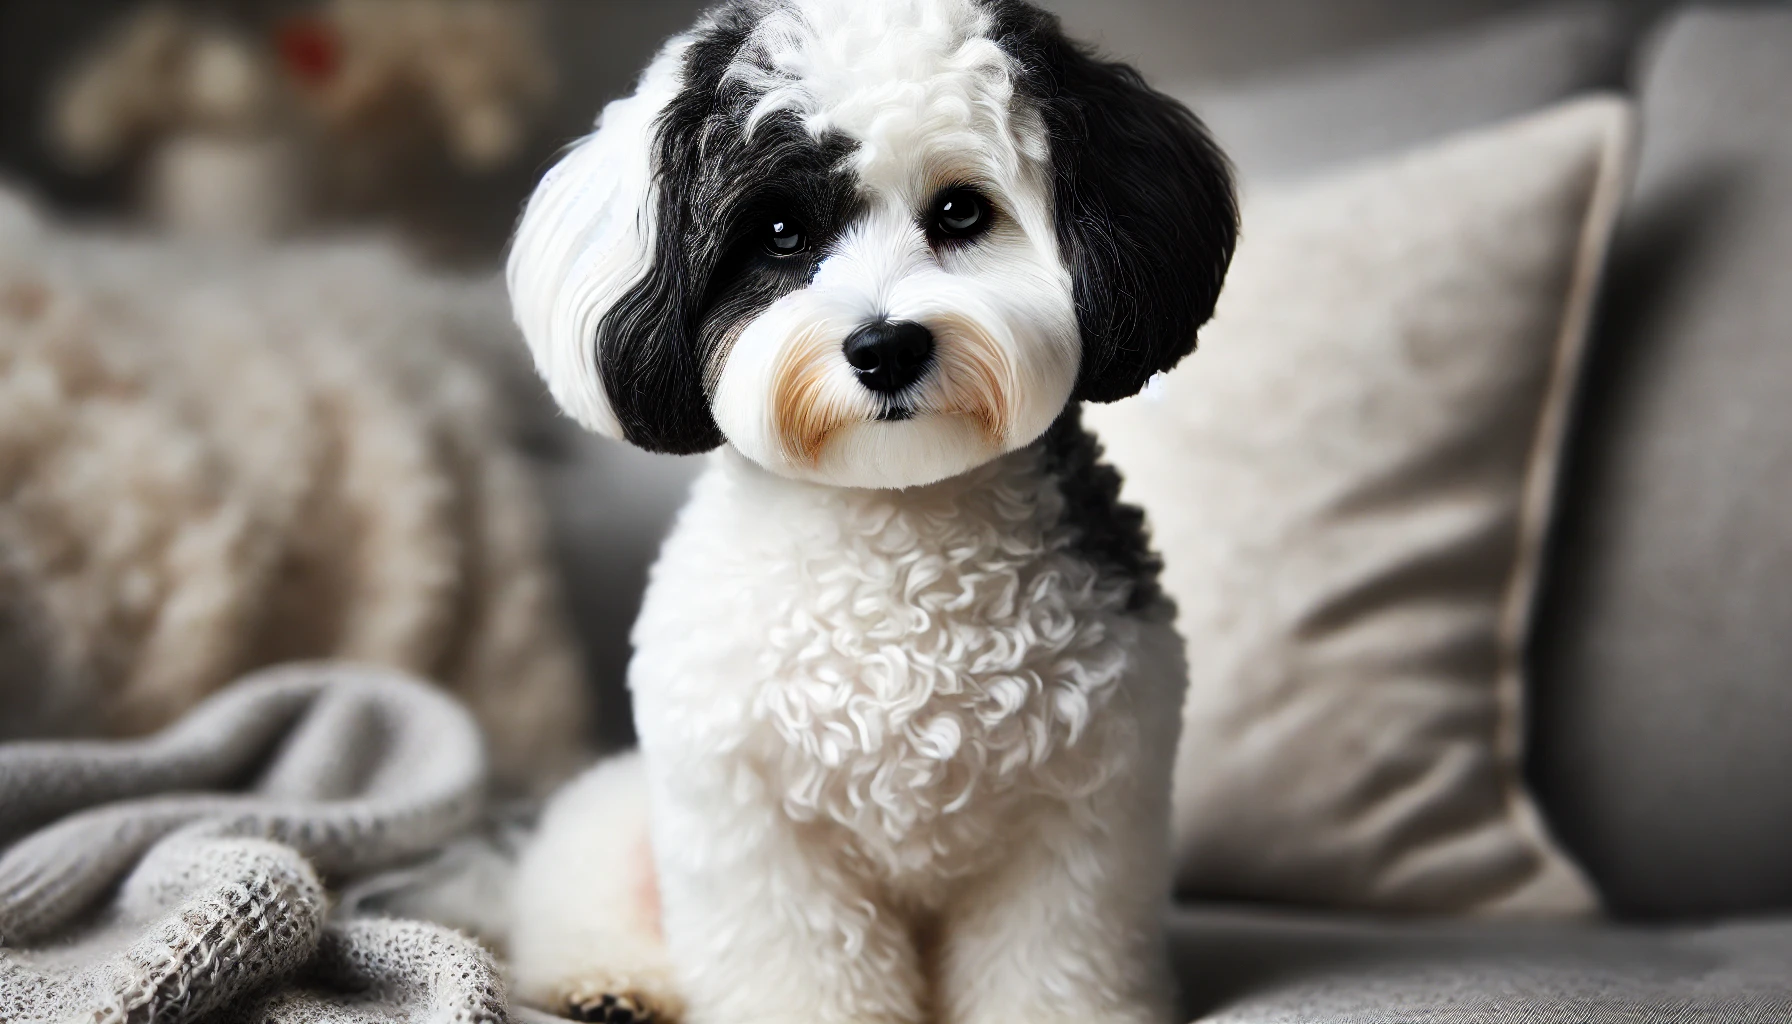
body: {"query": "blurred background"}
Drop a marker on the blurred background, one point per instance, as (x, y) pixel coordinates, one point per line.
(574, 55)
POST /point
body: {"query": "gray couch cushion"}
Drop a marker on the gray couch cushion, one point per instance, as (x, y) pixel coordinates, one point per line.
(1215, 40)
(1422, 88)
(1663, 668)
(1261, 967)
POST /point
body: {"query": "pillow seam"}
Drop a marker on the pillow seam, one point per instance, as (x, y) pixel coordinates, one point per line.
(1610, 185)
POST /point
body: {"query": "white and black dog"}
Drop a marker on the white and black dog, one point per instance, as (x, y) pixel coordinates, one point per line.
(906, 689)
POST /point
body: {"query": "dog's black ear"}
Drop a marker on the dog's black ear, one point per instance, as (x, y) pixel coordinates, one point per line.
(599, 274)
(1145, 210)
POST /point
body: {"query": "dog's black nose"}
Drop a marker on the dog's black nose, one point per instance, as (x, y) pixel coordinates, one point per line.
(889, 355)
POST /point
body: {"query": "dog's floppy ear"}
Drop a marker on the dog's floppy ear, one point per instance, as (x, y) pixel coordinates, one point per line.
(598, 293)
(1146, 215)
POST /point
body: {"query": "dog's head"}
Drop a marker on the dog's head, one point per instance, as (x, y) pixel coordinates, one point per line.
(870, 242)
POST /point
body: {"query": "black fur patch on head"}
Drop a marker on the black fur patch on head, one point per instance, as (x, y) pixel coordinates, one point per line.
(1143, 201)
(718, 187)
(1108, 532)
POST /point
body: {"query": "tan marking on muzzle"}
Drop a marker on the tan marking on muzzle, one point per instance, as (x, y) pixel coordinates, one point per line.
(974, 378)
(805, 416)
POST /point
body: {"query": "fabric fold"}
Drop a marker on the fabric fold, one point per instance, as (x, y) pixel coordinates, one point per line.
(182, 877)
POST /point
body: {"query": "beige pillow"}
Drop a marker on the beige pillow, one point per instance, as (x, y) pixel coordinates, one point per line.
(215, 459)
(1350, 483)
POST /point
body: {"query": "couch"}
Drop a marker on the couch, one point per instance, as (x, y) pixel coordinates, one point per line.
(1660, 673)
(1660, 660)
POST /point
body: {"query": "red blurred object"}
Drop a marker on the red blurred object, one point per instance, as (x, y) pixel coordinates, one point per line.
(310, 48)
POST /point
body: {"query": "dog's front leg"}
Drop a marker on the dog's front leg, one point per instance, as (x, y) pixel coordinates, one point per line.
(1068, 928)
(765, 925)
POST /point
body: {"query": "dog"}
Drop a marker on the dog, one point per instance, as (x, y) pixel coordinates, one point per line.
(906, 690)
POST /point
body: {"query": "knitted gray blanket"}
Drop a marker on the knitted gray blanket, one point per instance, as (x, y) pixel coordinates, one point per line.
(186, 876)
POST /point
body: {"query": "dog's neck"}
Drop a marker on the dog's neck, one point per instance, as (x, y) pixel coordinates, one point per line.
(1059, 483)
(887, 656)
(1109, 532)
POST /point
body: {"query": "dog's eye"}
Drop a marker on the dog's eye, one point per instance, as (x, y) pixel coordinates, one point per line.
(784, 237)
(960, 213)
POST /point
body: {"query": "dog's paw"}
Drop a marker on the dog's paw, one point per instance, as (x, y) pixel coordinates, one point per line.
(612, 1008)
(644, 997)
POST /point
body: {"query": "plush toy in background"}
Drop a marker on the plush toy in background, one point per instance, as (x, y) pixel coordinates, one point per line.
(399, 91)
(337, 112)
(199, 110)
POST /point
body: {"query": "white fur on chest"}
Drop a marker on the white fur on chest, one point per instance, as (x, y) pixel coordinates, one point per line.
(907, 666)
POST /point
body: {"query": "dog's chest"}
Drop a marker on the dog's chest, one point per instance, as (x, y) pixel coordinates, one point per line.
(903, 666)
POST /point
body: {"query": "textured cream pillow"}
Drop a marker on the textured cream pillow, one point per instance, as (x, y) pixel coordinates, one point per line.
(215, 459)
(1350, 484)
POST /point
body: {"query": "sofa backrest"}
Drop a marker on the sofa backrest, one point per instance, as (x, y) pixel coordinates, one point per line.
(1662, 676)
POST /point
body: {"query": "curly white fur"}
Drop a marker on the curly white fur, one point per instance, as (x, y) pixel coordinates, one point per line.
(888, 736)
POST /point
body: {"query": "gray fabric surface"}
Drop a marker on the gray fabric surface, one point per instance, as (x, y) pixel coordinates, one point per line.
(1662, 739)
(1264, 967)
(1417, 90)
(183, 877)
(1213, 40)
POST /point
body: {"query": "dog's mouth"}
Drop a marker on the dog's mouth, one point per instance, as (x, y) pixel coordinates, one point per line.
(812, 399)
